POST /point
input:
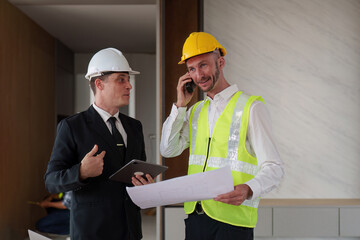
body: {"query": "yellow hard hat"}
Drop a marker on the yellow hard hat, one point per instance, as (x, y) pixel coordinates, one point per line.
(199, 43)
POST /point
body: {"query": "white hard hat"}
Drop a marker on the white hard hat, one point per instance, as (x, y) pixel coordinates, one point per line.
(108, 60)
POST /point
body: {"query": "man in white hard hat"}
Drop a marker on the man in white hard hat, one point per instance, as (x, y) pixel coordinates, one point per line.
(90, 146)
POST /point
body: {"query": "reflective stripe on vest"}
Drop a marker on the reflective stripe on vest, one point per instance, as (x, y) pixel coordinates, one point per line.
(229, 149)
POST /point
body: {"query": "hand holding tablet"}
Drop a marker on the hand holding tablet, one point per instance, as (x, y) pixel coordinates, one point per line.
(137, 167)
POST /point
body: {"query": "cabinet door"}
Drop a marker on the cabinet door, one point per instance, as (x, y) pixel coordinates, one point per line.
(350, 222)
(264, 225)
(174, 225)
(306, 222)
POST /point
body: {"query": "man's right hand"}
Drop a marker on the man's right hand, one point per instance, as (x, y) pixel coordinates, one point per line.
(183, 96)
(91, 165)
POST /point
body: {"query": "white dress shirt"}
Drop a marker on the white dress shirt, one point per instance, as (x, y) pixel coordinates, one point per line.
(105, 117)
(259, 142)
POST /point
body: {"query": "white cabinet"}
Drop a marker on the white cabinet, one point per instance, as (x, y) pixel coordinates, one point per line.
(350, 222)
(306, 222)
(174, 226)
(299, 220)
(264, 226)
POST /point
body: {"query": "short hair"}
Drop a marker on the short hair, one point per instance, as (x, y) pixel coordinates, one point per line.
(103, 77)
(92, 84)
(217, 53)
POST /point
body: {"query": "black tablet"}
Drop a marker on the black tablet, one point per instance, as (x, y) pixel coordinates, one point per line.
(137, 167)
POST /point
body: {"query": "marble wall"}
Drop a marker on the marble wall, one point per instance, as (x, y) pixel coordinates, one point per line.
(303, 57)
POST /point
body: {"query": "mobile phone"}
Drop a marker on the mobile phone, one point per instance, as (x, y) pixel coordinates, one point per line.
(189, 86)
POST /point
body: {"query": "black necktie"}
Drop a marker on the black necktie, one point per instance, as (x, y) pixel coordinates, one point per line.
(117, 136)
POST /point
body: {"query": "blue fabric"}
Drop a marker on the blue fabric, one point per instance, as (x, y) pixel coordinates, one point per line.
(57, 222)
(67, 200)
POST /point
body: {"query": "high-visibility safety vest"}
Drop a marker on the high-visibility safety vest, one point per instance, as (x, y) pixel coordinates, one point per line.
(225, 147)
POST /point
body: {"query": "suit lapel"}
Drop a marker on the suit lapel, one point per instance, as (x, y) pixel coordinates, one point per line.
(98, 125)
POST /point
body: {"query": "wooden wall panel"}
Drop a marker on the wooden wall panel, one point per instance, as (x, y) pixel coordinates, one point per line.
(27, 119)
(181, 17)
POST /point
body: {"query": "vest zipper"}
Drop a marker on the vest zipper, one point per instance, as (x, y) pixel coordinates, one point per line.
(207, 154)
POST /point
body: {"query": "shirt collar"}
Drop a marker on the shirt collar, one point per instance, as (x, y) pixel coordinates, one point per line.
(225, 94)
(104, 114)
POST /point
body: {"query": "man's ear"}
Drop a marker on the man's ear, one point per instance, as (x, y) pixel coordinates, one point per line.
(99, 84)
(221, 60)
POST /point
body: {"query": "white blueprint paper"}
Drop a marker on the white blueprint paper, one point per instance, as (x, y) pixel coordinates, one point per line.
(36, 236)
(195, 187)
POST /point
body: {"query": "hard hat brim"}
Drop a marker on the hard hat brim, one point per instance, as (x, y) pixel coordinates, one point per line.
(133, 72)
(90, 76)
(221, 49)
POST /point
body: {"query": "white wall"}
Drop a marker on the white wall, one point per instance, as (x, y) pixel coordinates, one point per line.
(82, 88)
(145, 103)
(303, 57)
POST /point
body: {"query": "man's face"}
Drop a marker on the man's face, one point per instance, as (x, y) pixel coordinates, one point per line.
(115, 91)
(204, 70)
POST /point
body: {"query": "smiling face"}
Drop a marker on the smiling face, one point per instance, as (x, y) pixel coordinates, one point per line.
(206, 71)
(113, 92)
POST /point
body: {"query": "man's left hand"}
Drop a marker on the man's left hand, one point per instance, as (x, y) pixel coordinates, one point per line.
(238, 196)
(139, 180)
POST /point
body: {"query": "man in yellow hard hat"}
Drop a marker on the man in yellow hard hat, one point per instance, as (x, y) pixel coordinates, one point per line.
(228, 128)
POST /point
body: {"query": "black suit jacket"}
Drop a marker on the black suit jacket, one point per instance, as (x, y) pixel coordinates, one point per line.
(100, 208)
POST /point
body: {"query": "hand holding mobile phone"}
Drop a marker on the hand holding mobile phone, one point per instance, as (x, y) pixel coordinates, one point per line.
(189, 86)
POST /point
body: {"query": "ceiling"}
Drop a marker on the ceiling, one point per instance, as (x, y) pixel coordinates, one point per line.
(85, 26)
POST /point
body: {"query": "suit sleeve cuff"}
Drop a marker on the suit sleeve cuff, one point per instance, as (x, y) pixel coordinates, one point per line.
(80, 183)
